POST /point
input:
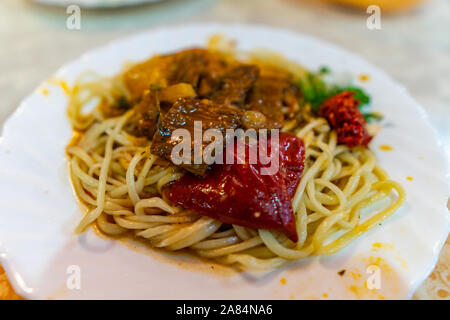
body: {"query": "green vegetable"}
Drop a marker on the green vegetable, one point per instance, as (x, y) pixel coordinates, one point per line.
(155, 87)
(359, 94)
(123, 104)
(316, 91)
(324, 70)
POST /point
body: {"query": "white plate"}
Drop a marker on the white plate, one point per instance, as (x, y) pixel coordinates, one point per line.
(95, 3)
(38, 210)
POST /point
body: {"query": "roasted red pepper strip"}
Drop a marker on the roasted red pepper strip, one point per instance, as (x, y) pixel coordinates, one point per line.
(239, 194)
(343, 115)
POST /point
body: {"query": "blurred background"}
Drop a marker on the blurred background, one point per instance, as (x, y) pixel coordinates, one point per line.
(412, 46)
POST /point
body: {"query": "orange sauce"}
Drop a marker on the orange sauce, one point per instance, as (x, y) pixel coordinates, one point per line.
(77, 136)
(386, 147)
(379, 245)
(64, 86)
(364, 77)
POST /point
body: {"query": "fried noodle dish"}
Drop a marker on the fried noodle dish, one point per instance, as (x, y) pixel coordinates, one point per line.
(328, 191)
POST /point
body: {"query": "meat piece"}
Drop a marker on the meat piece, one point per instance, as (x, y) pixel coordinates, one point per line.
(269, 95)
(235, 84)
(240, 194)
(146, 112)
(188, 66)
(342, 113)
(152, 103)
(198, 67)
(208, 83)
(182, 115)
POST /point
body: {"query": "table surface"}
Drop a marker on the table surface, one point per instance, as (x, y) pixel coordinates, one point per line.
(413, 47)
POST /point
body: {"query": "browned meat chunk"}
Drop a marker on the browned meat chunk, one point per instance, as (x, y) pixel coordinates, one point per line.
(182, 116)
(198, 67)
(208, 83)
(268, 96)
(189, 67)
(235, 84)
(261, 97)
(152, 102)
(145, 118)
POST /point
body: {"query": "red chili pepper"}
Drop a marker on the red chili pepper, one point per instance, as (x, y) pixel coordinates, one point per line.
(343, 115)
(239, 194)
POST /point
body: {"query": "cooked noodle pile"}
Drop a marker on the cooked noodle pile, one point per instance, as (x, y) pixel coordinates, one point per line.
(120, 184)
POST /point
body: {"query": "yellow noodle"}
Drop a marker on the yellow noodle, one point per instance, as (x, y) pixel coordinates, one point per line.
(121, 185)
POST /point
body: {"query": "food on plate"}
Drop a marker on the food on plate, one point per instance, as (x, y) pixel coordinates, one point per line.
(244, 158)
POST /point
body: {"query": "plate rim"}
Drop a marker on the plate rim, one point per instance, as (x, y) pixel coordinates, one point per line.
(16, 280)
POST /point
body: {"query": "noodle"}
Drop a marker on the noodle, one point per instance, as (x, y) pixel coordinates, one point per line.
(116, 177)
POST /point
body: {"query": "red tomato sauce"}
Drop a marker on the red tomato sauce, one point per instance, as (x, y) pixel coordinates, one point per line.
(343, 115)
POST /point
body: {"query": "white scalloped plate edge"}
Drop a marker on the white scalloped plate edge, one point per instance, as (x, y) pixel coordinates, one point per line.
(409, 220)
